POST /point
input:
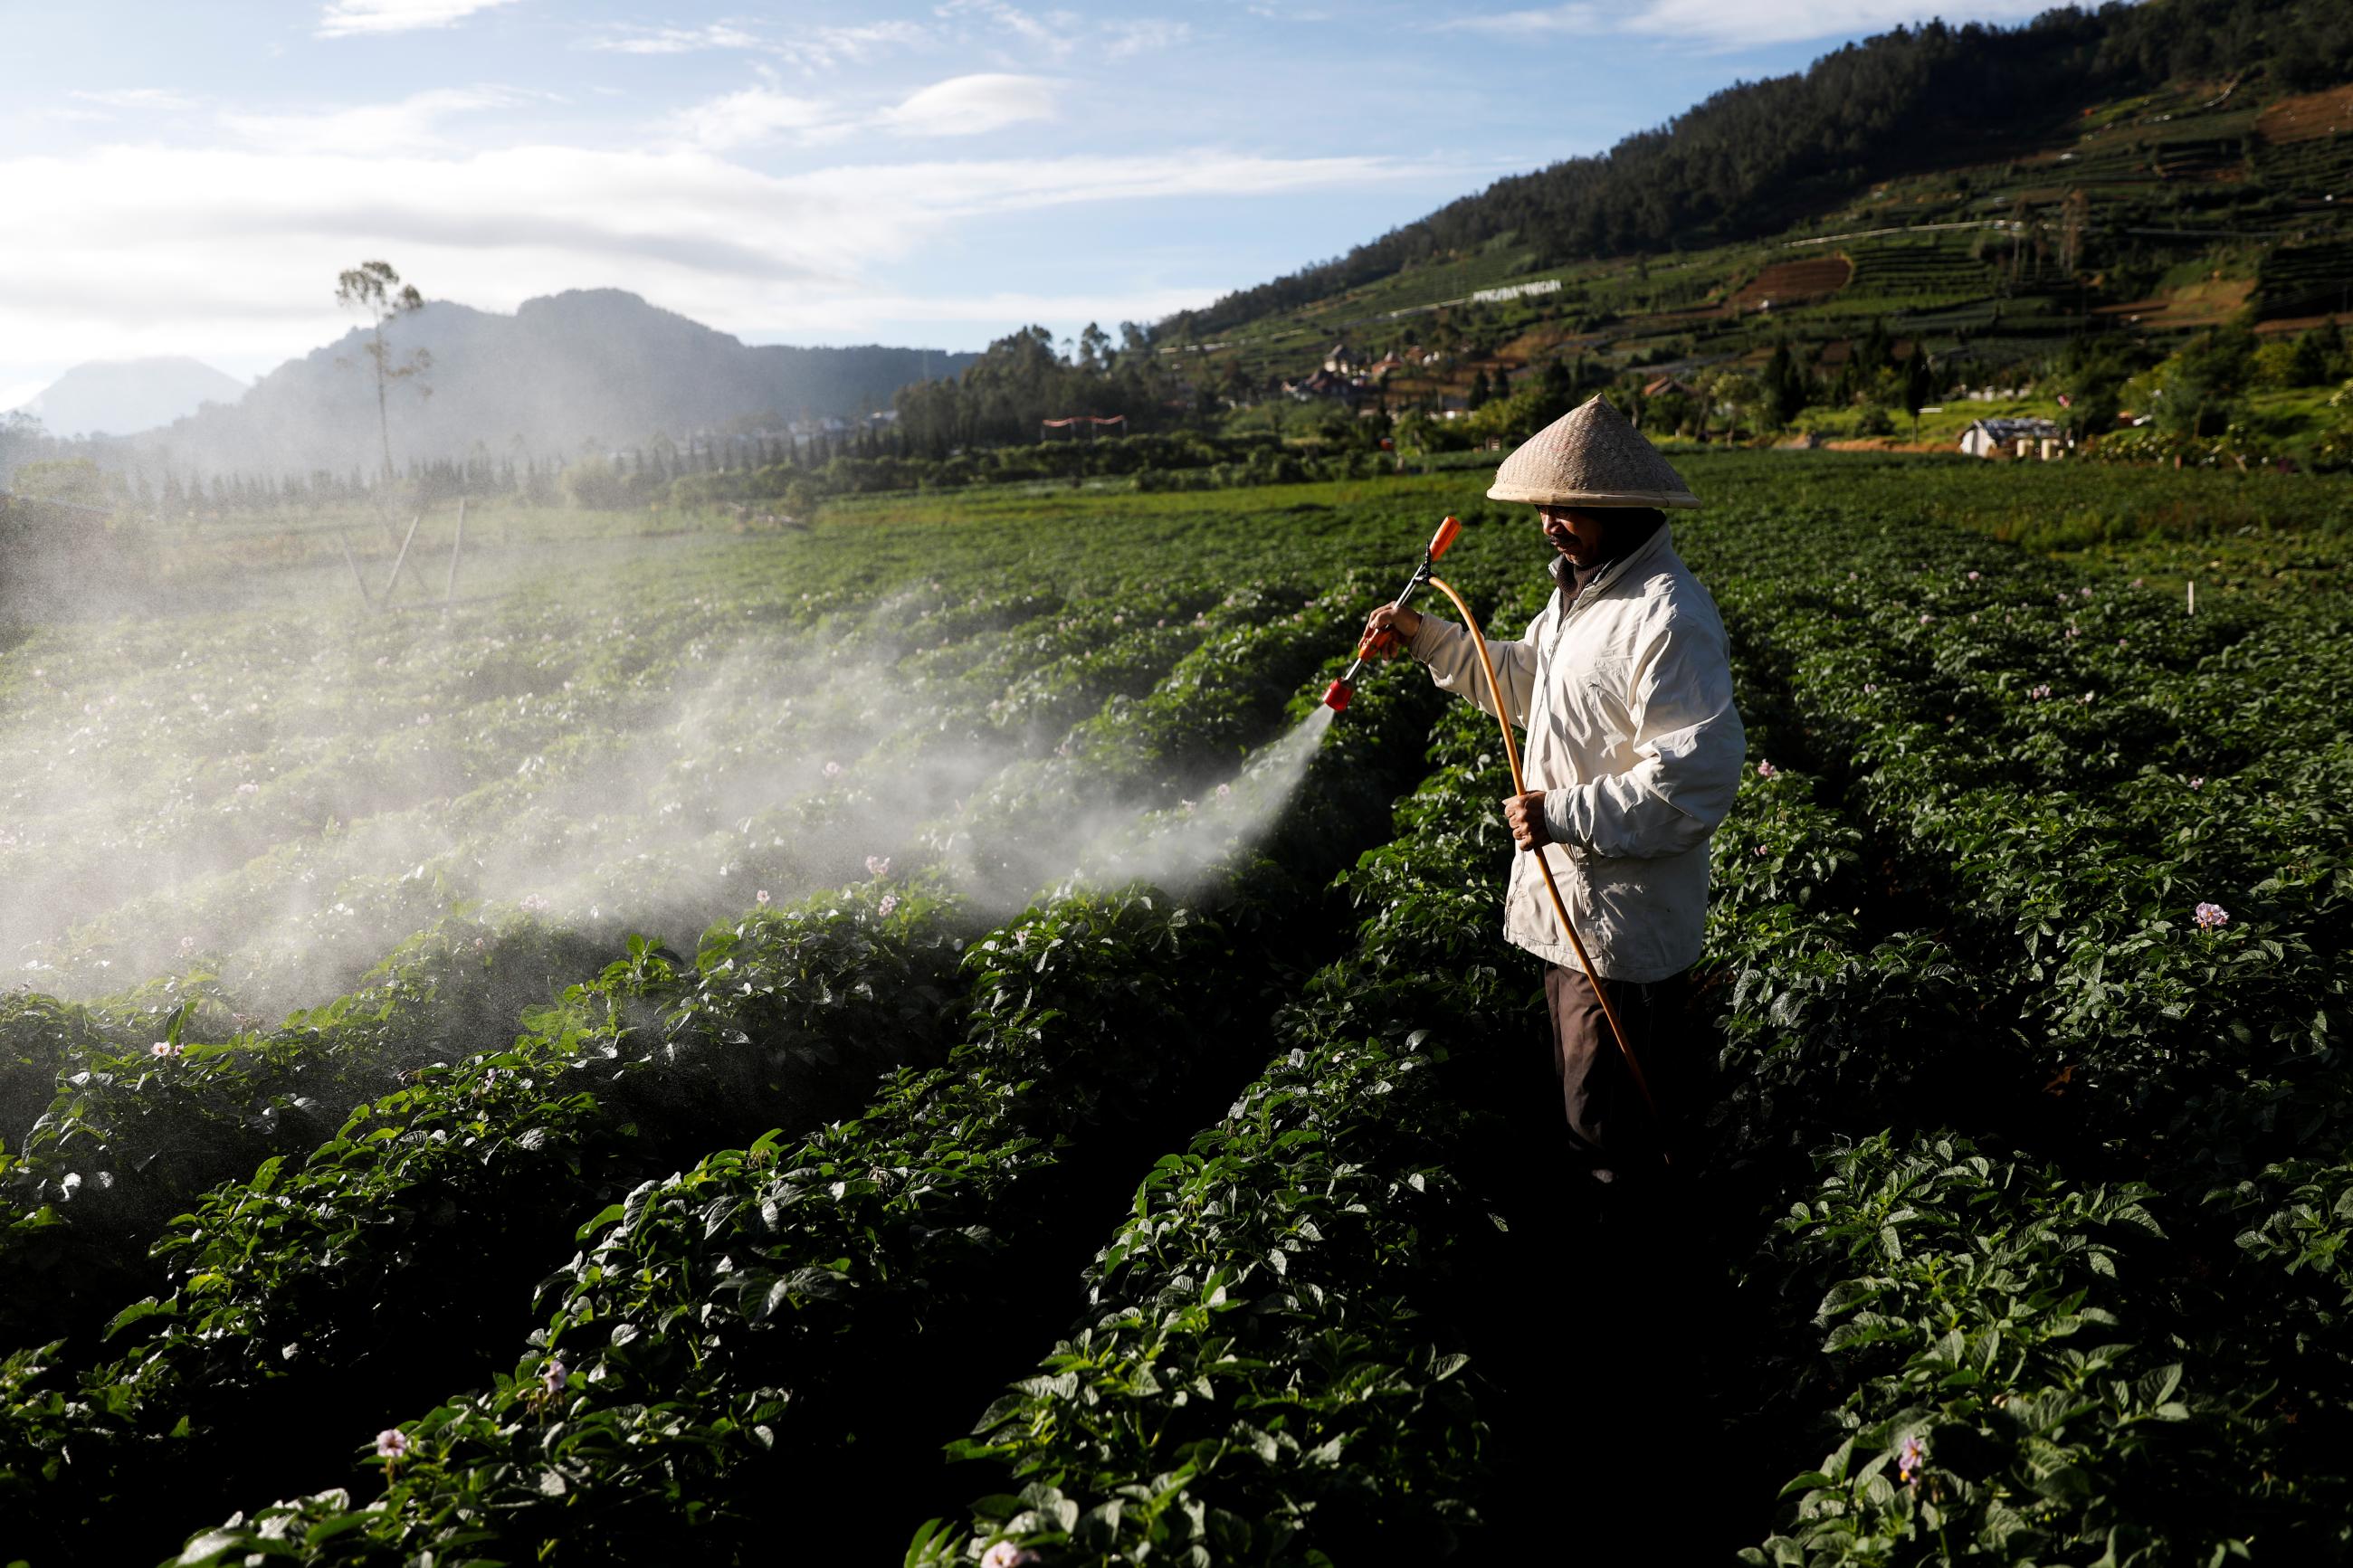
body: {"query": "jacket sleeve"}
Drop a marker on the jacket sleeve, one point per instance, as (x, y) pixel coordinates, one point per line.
(1452, 656)
(1689, 747)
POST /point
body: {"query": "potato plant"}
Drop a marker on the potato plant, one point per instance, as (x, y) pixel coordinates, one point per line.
(2021, 1189)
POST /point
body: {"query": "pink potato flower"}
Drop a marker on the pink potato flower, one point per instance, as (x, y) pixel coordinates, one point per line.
(2212, 917)
(889, 902)
(390, 1443)
(1005, 1555)
(762, 896)
(1910, 1459)
(878, 865)
(164, 1048)
(1766, 770)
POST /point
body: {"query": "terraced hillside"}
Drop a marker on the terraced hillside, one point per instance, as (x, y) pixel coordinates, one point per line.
(2197, 199)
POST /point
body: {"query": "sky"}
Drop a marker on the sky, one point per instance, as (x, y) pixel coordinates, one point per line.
(188, 179)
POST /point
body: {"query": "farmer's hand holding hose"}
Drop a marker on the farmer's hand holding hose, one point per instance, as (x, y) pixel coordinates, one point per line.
(1524, 815)
(1389, 630)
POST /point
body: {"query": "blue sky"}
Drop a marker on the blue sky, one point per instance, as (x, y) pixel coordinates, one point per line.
(189, 178)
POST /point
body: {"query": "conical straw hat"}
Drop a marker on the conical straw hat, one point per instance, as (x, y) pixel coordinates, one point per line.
(1589, 457)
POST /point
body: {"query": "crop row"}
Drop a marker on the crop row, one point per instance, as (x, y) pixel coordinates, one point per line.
(2089, 895)
(1257, 1377)
(2005, 1400)
(407, 1238)
(759, 1307)
(1271, 1369)
(133, 1133)
(267, 1292)
(2003, 1382)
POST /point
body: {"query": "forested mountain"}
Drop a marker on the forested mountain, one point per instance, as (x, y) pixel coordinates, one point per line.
(1754, 157)
(587, 367)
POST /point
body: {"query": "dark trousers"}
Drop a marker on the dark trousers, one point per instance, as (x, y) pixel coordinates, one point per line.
(1610, 1127)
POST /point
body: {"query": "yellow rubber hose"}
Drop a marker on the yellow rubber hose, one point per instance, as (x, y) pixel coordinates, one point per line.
(1544, 864)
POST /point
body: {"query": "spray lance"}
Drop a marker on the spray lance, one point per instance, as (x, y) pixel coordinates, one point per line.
(1335, 697)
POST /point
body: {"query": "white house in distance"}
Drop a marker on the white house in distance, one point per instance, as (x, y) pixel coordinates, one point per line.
(2011, 438)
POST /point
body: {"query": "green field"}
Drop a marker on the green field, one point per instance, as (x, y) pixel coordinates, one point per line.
(908, 1033)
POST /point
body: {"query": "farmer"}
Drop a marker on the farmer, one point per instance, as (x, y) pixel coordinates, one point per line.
(1634, 750)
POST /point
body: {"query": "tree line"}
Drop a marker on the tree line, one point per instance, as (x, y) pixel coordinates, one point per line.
(1005, 396)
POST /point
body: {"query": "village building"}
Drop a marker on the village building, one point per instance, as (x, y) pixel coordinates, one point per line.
(1328, 382)
(2021, 437)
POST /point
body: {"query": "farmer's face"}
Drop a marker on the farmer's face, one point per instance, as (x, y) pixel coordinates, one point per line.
(1574, 532)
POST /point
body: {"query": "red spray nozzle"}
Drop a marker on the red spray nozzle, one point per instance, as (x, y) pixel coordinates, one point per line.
(1336, 695)
(1444, 537)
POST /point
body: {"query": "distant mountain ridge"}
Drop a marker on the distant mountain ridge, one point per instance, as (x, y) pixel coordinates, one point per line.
(122, 397)
(596, 367)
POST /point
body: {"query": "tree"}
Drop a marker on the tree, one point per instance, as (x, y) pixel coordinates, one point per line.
(2197, 390)
(1786, 388)
(1735, 394)
(2314, 360)
(375, 290)
(1919, 385)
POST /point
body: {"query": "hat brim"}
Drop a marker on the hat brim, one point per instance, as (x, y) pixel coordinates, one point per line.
(1535, 495)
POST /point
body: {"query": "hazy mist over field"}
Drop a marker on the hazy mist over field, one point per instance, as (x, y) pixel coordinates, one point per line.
(281, 795)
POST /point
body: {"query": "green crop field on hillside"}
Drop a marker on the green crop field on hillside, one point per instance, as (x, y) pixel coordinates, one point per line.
(911, 1032)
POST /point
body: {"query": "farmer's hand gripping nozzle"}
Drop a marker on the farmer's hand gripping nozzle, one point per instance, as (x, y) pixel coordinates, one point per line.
(1336, 695)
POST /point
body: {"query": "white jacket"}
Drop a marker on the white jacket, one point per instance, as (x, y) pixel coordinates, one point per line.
(1632, 736)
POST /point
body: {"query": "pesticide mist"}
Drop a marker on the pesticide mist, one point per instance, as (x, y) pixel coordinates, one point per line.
(266, 799)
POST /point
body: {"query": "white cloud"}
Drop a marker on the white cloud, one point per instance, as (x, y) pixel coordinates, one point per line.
(1732, 23)
(754, 115)
(230, 254)
(1056, 32)
(634, 40)
(412, 124)
(137, 98)
(1737, 24)
(972, 105)
(353, 18)
(822, 45)
(1139, 37)
(960, 106)
(348, 18)
(1569, 18)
